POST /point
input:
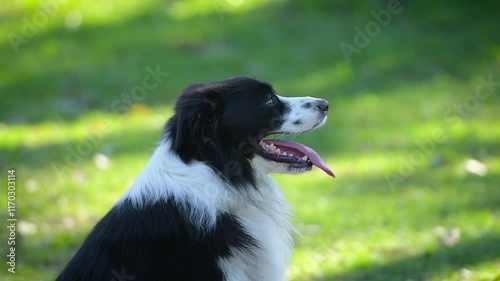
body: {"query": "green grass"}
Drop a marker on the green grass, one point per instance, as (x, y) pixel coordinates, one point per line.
(59, 90)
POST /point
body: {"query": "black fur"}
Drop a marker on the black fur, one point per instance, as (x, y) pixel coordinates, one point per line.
(220, 123)
(156, 242)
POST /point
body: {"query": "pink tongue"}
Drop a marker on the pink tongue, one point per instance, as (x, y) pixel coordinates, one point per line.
(311, 154)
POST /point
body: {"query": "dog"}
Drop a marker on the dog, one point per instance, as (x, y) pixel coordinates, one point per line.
(205, 207)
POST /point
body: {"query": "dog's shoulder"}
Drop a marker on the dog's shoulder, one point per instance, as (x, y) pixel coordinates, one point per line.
(154, 240)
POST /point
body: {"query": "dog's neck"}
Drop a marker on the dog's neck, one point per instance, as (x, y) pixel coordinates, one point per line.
(263, 211)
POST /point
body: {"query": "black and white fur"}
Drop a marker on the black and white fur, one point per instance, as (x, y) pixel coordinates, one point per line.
(205, 207)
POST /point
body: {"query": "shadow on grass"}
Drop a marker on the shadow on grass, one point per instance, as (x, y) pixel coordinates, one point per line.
(428, 264)
(105, 61)
(129, 143)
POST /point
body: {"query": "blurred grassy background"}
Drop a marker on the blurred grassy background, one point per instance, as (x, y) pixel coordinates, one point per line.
(414, 145)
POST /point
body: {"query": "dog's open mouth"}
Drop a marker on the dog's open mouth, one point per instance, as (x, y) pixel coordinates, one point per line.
(295, 154)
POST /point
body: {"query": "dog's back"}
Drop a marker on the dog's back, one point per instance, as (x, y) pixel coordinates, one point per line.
(154, 242)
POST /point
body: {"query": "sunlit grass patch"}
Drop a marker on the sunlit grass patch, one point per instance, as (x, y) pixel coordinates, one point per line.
(222, 8)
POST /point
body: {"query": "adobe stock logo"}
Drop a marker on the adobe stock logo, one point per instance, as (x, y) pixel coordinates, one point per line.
(121, 275)
(372, 29)
(452, 117)
(32, 25)
(76, 153)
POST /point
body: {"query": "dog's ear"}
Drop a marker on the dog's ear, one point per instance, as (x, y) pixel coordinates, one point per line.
(197, 110)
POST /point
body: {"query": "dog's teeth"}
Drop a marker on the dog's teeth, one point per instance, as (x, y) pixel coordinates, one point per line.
(278, 151)
(284, 153)
(272, 146)
(305, 158)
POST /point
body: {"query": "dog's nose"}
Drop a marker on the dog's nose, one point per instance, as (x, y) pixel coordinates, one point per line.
(322, 105)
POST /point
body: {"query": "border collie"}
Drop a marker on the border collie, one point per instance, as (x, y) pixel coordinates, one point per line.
(205, 207)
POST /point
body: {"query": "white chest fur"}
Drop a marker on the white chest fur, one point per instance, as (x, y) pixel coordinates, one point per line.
(263, 212)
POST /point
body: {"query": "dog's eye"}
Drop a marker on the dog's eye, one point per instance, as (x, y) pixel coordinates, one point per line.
(270, 101)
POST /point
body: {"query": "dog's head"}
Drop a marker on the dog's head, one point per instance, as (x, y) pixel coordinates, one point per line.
(224, 123)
